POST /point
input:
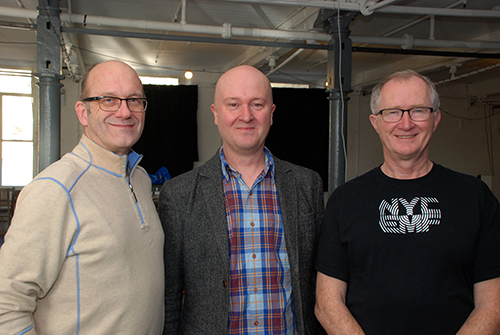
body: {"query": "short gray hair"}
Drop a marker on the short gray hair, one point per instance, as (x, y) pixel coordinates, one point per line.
(403, 76)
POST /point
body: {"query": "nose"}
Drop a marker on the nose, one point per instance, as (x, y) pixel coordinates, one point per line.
(246, 113)
(406, 121)
(123, 112)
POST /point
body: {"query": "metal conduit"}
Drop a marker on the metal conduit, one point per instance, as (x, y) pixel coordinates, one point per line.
(356, 7)
(344, 6)
(248, 32)
(426, 42)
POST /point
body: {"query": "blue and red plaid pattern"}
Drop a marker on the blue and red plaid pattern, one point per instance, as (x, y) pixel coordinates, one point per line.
(260, 282)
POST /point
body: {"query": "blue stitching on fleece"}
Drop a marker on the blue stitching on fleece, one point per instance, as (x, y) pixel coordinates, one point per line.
(83, 172)
(71, 248)
(26, 330)
(90, 162)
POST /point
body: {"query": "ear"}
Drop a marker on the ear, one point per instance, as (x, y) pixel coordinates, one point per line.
(437, 118)
(214, 110)
(373, 120)
(272, 114)
(81, 113)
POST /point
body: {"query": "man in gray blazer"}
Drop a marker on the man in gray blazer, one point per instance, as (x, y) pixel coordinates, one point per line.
(241, 230)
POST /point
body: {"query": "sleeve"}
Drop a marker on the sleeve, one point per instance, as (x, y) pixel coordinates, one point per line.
(34, 251)
(169, 209)
(332, 258)
(487, 265)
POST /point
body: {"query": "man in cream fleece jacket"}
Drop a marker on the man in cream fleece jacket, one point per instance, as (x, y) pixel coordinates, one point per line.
(84, 253)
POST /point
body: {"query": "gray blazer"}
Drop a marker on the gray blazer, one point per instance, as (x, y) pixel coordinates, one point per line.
(197, 262)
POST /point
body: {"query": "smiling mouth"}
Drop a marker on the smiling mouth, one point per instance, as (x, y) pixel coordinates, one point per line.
(405, 136)
(122, 125)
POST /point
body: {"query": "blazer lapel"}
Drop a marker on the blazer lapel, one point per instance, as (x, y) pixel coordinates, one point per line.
(212, 191)
(287, 194)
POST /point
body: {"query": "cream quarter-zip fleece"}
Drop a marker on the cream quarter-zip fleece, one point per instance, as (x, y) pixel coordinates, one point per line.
(84, 253)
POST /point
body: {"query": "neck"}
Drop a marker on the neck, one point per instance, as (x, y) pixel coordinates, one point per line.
(405, 169)
(249, 166)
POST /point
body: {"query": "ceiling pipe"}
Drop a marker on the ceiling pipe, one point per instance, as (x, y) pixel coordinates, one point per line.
(183, 12)
(195, 39)
(432, 28)
(426, 42)
(416, 21)
(291, 45)
(370, 9)
(296, 53)
(406, 10)
(235, 31)
(465, 75)
(450, 54)
(158, 25)
(474, 13)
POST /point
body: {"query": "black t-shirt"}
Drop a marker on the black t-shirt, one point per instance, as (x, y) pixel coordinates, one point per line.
(411, 250)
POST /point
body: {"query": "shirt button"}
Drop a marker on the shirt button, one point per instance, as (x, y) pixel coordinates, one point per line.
(224, 282)
(254, 256)
(252, 224)
(256, 323)
(255, 290)
(250, 193)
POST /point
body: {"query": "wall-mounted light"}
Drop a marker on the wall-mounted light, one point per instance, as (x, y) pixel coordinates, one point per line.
(188, 75)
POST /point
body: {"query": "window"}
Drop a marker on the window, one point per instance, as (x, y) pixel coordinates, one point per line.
(16, 114)
(285, 85)
(159, 81)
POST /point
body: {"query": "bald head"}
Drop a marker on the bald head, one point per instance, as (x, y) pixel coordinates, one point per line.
(240, 76)
(111, 68)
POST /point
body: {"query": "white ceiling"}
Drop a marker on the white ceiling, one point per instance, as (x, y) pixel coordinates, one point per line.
(201, 47)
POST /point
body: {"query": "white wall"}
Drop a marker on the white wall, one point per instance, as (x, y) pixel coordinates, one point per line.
(461, 145)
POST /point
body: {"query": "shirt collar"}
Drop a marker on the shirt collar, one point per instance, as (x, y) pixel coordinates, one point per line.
(226, 168)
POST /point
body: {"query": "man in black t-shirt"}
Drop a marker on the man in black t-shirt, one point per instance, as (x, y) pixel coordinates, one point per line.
(410, 247)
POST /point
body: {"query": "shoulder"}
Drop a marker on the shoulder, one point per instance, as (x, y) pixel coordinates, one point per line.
(64, 171)
(457, 180)
(463, 185)
(285, 168)
(453, 175)
(362, 181)
(54, 182)
(209, 172)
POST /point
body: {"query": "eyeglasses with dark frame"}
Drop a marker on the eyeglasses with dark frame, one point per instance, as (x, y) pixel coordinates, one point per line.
(112, 104)
(396, 114)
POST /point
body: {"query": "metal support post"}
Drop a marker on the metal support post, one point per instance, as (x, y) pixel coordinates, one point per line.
(49, 75)
(339, 85)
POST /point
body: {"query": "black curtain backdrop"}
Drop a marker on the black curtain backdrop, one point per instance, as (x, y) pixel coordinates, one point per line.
(300, 130)
(170, 136)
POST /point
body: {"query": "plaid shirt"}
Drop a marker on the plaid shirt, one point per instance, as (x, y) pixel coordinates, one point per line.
(260, 282)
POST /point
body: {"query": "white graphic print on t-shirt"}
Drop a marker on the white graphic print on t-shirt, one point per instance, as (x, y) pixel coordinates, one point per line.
(417, 219)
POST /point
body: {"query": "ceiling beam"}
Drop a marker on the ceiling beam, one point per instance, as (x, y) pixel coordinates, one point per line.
(358, 6)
